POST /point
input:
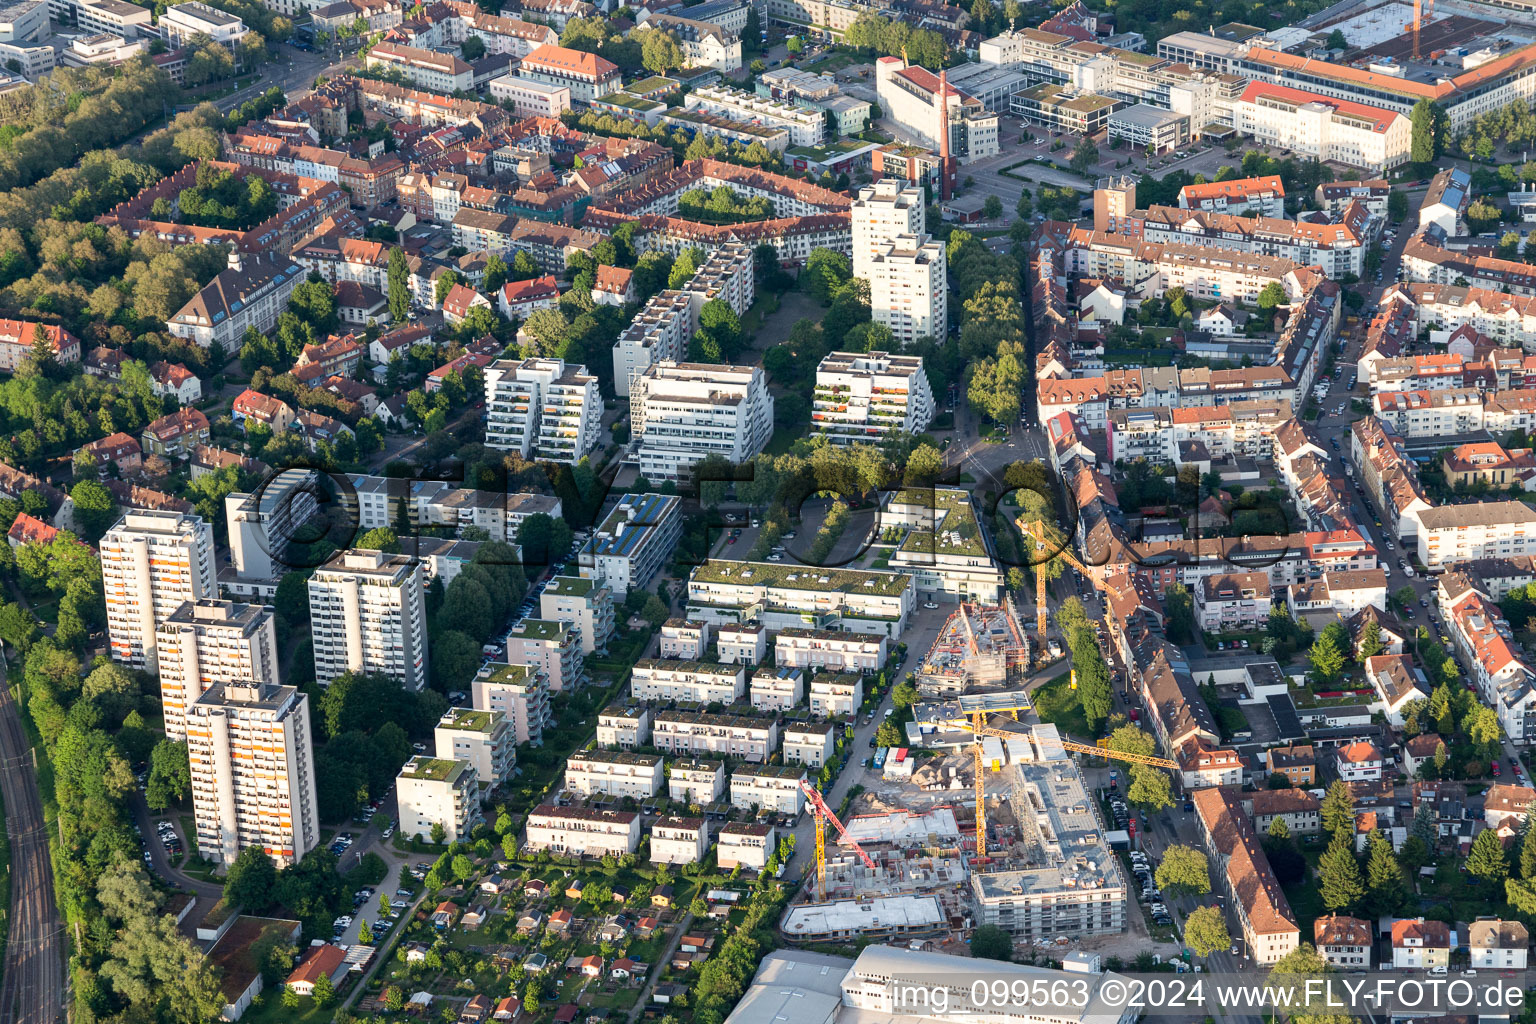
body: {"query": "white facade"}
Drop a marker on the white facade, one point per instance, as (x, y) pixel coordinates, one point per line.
(695, 681)
(769, 787)
(542, 408)
(586, 603)
(432, 791)
(861, 396)
(884, 211)
(530, 98)
(777, 689)
(695, 782)
(521, 693)
(151, 563)
(748, 846)
(1459, 533)
(624, 727)
(908, 289)
(368, 614)
(485, 739)
(251, 756)
(806, 127)
(833, 695)
(427, 69)
(687, 732)
(592, 772)
(679, 840)
(633, 543)
(1330, 130)
(578, 831)
(833, 650)
(682, 413)
(179, 24)
(205, 642)
(810, 744)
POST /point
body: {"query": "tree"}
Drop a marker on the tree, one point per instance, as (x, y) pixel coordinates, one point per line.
(1486, 860)
(1426, 138)
(989, 942)
(1183, 871)
(439, 832)
(1384, 877)
(399, 286)
(1339, 875)
(1528, 856)
(1338, 810)
(251, 880)
(992, 208)
(1179, 607)
(1084, 156)
(889, 734)
(325, 992)
(1272, 295)
(1150, 788)
(95, 509)
(170, 775)
(1278, 830)
(1326, 657)
(1205, 931)
(1370, 640)
(1336, 40)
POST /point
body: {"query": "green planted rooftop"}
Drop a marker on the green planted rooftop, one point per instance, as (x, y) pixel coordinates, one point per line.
(516, 674)
(630, 102)
(432, 769)
(469, 720)
(802, 577)
(538, 629)
(574, 586)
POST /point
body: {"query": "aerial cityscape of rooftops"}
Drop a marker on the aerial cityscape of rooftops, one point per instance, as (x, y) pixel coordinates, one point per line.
(723, 511)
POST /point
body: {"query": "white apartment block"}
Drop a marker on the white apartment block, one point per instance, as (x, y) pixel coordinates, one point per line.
(768, 787)
(832, 650)
(486, 739)
(584, 602)
(908, 289)
(552, 647)
(696, 681)
(777, 689)
(578, 831)
(682, 413)
(530, 98)
(542, 408)
(663, 328)
(519, 692)
(944, 548)
(1490, 529)
(836, 694)
(677, 840)
(862, 396)
(251, 756)
(426, 69)
(587, 75)
(182, 23)
(746, 845)
(806, 127)
(738, 644)
(695, 781)
(113, 17)
(866, 601)
(683, 640)
(1335, 131)
(383, 501)
(368, 614)
(610, 773)
(688, 732)
(152, 562)
(884, 211)
(625, 727)
(810, 743)
(430, 791)
(633, 543)
(206, 642)
(1498, 945)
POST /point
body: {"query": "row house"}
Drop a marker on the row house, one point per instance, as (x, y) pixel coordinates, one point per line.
(831, 650)
(770, 787)
(676, 840)
(736, 736)
(620, 774)
(694, 681)
(777, 688)
(695, 780)
(583, 832)
(1486, 642)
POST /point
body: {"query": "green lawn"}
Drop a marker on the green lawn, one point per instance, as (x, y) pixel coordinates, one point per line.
(830, 63)
(1056, 702)
(269, 1009)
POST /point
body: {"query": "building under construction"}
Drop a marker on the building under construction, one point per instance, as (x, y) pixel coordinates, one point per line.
(980, 647)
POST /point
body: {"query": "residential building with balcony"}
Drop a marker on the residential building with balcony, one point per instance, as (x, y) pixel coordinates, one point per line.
(661, 679)
(909, 289)
(583, 832)
(863, 396)
(206, 642)
(542, 408)
(830, 650)
(251, 756)
(695, 781)
(617, 774)
(745, 845)
(677, 840)
(152, 563)
(944, 547)
(624, 726)
(553, 647)
(782, 595)
(741, 644)
(768, 787)
(486, 739)
(736, 736)
(584, 602)
(684, 640)
(633, 543)
(811, 744)
(834, 694)
(521, 694)
(368, 614)
(777, 689)
(432, 791)
(1233, 601)
(682, 413)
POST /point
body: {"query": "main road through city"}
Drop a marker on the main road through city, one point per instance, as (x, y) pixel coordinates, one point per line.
(32, 991)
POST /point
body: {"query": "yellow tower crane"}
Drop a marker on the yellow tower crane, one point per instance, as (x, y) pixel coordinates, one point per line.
(977, 724)
(1036, 530)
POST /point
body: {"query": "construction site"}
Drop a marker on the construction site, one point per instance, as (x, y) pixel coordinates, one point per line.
(979, 648)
